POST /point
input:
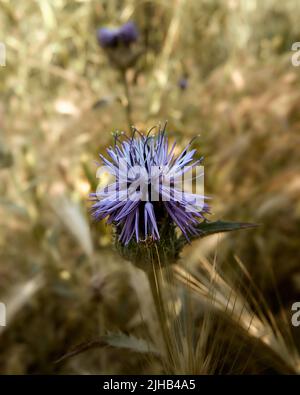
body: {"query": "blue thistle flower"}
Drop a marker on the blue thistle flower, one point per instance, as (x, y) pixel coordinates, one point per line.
(147, 189)
(111, 37)
(108, 38)
(128, 33)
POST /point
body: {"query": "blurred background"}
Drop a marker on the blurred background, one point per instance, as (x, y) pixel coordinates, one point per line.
(218, 69)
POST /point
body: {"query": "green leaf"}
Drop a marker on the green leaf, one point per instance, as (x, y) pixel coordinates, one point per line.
(208, 228)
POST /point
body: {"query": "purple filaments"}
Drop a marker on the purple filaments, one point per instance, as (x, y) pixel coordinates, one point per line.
(148, 188)
(110, 38)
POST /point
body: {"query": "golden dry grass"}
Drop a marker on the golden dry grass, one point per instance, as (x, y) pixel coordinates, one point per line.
(61, 99)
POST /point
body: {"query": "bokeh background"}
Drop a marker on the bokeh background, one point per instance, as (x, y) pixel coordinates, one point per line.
(220, 69)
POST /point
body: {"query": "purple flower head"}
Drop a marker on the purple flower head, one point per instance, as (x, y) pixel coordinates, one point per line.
(128, 33)
(108, 38)
(147, 188)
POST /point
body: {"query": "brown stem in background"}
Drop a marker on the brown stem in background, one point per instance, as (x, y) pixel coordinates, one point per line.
(128, 106)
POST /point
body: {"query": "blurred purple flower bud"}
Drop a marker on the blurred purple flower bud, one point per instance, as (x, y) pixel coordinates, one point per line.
(128, 33)
(183, 83)
(108, 38)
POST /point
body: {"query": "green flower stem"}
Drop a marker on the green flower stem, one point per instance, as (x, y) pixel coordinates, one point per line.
(155, 286)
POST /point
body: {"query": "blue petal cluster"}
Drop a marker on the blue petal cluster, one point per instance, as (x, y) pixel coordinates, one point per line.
(136, 211)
